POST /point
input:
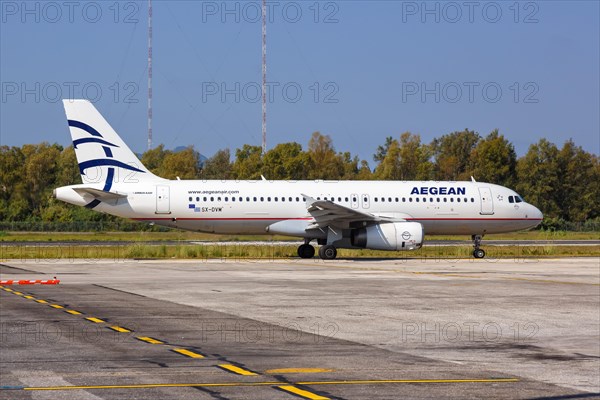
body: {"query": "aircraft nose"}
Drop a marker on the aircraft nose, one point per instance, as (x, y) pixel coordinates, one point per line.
(536, 214)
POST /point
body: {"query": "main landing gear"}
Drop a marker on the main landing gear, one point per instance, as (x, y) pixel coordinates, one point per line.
(306, 251)
(477, 252)
(326, 252)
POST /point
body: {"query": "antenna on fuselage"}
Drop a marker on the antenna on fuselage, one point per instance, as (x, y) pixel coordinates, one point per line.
(473, 179)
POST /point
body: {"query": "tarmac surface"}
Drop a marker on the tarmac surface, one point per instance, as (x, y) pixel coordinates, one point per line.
(309, 329)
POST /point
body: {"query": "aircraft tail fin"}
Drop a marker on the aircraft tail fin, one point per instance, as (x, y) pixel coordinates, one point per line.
(102, 155)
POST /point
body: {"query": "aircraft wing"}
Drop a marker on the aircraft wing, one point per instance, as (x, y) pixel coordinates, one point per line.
(99, 194)
(327, 213)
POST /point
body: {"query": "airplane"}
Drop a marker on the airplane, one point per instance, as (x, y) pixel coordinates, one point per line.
(380, 215)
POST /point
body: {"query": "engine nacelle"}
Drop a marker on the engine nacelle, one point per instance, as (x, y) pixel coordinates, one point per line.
(389, 236)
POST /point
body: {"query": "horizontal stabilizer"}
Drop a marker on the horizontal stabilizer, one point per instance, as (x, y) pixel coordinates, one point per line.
(99, 194)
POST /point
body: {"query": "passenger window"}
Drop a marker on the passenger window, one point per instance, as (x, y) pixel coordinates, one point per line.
(212, 199)
(241, 198)
(275, 198)
(290, 199)
(404, 199)
(226, 198)
(451, 199)
(431, 199)
(417, 199)
(283, 199)
(262, 199)
(458, 199)
(233, 199)
(445, 200)
(197, 198)
(472, 200)
(190, 199)
(396, 199)
(268, 198)
(346, 199)
(410, 199)
(437, 199)
(204, 198)
(219, 198)
(466, 200)
(375, 200)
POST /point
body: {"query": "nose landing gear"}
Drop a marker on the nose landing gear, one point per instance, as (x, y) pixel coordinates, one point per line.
(477, 252)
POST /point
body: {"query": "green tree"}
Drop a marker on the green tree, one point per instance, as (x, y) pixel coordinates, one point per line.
(381, 151)
(183, 164)
(578, 195)
(538, 177)
(364, 172)
(452, 154)
(67, 168)
(325, 163)
(389, 166)
(406, 159)
(286, 161)
(153, 158)
(248, 162)
(218, 166)
(494, 160)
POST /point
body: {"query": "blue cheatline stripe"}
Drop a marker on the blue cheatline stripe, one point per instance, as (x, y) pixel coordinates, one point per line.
(92, 204)
(102, 162)
(85, 127)
(91, 140)
(107, 151)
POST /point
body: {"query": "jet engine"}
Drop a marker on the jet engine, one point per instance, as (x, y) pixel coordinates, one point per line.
(389, 236)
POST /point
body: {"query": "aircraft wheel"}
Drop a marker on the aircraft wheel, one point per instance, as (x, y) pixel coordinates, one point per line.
(306, 251)
(478, 253)
(327, 252)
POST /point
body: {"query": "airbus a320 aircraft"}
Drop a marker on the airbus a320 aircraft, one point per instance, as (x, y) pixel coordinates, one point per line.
(382, 215)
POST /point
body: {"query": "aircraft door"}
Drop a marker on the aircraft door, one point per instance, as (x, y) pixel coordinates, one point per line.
(163, 201)
(487, 203)
(365, 201)
(354, 199)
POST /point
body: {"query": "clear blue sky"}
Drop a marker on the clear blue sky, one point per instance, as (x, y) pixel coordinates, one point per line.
(429, 68)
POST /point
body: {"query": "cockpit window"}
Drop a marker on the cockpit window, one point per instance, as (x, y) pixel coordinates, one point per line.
(511, 199)
(518, 199)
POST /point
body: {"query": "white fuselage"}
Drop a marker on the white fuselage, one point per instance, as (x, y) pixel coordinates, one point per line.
(470, 208)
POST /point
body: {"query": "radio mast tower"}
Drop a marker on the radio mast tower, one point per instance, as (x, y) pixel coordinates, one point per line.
(149, 74)
(264, 76)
